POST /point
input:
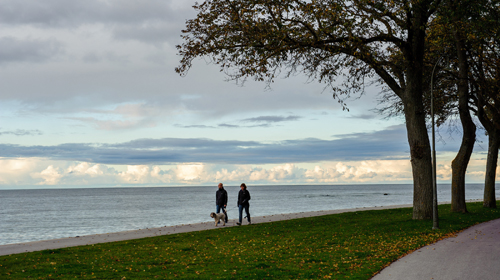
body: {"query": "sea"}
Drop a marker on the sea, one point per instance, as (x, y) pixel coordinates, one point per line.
(43, 214)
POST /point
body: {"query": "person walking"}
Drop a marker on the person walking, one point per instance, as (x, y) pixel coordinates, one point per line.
(221, 200)
(243, 198)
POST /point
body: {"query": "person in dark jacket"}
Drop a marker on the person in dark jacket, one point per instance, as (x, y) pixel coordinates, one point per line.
(243, 198)
(221, 200)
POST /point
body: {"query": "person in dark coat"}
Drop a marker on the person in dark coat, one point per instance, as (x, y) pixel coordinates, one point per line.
(243, 198)
(221, 200)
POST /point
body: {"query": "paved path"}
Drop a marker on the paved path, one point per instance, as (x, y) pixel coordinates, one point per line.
(10, 249)
(472, 254)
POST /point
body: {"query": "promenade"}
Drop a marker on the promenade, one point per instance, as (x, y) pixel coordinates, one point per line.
(472, 254)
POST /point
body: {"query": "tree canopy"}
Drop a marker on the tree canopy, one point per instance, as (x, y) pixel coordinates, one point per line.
(325, 39)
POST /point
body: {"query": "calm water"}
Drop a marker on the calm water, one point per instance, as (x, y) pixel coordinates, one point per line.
(30, 215)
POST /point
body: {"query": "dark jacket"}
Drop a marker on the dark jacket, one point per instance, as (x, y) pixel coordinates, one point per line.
(221, 197)
(243, 197)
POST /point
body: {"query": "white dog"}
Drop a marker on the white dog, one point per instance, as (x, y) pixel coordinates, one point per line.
(218, 217)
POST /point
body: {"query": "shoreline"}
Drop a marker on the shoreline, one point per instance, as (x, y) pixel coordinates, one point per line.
(33, 246)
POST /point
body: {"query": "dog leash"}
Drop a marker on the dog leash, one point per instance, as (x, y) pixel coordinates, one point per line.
(231, 209)
(226, 210)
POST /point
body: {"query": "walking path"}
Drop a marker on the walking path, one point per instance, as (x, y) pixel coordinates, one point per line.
(17, 248)
(473, 254)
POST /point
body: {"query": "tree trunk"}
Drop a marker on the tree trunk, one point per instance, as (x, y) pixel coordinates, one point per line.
(420, 152)
(461, 161)
(490, 200)
(412, 97)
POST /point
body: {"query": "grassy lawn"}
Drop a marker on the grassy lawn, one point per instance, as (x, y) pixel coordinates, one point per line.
(349, 245)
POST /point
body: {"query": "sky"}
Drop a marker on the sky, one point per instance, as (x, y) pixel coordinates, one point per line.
(89, 98)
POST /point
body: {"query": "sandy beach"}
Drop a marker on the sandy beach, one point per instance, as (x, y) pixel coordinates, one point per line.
(17, 248)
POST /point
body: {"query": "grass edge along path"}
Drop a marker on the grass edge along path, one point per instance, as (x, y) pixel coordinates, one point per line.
(354, 245)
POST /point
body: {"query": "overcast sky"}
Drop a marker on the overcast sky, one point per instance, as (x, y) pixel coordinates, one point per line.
(89, 97)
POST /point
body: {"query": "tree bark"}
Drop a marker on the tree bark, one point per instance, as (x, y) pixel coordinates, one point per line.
(421, 163)
(412, 97)
(490, 200)
(461, 161)
(418, 137)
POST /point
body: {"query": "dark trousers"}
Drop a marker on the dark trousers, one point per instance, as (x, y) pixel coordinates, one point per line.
(247, 210)
(221, 207)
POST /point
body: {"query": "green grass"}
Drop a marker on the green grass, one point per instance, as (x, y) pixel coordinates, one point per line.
(349, 245)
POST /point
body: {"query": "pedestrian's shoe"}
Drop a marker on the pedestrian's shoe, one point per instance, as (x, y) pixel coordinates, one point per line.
(249, 222)
(238, 224)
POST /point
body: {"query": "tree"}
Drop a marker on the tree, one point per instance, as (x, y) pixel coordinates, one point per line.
(488, 111)
(485, 77)
(325, 39)
(459, 14)
(466, 33)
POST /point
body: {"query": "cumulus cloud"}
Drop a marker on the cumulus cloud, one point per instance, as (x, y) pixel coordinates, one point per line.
(280, 173)
(16, 171)
(362, 172)
(49, 176)
(85, 168)
(31, 172)
(443, 172)
(191, 172)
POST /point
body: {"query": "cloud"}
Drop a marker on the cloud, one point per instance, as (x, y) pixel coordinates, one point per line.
(182, 143)
(363, 116)
(225, 125)
(31, 172)
(116, 124)
(57, 13)
(122, 51)
(221, 125)
(27, 50)
(191, 172)
(16, 171)
(123, 116)
(194, 126)
(153, 32)
(264, 121)
(362, 172)
(387, 144)
(22, 132)
(148, 21)
(272, 119)
(49, 176)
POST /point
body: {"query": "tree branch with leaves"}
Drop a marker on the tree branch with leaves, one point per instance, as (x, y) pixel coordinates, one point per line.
(340, 43)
